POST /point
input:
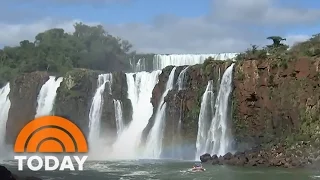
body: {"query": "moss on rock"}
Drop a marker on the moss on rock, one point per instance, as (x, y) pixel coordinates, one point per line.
(75, 94)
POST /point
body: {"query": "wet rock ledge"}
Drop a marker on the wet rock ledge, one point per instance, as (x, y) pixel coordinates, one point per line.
(276, 156)
(5, 174)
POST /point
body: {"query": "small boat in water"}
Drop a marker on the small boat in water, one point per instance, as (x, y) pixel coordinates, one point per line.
(197, 168)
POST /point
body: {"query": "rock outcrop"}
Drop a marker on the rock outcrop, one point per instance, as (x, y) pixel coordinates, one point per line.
(24, 90)
(75, 94)
(184, 104)
(157, 92)
(277, 156)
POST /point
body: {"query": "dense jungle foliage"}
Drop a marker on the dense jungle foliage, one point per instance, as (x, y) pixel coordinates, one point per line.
(57, 51)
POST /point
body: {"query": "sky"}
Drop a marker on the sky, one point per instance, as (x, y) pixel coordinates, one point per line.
(168, 26)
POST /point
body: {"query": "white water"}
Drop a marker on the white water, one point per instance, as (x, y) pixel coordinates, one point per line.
(179, 148)
(154, 140)
(220, 139)
(139, 66)
(96, 109)
(47, 96)
(140, 88)
(118, 115)
(205, 116)
(161, 61)
(181, 79)
(4, 111)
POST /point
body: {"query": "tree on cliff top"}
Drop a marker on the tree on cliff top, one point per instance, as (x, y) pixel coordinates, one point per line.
(276, 40)
(57, 51)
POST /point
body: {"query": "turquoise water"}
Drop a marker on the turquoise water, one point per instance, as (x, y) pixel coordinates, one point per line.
(166, 169)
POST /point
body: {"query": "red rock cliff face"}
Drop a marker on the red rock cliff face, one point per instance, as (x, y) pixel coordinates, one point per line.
(276, 102)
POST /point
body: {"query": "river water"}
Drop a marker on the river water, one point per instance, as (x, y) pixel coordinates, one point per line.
(167, 170)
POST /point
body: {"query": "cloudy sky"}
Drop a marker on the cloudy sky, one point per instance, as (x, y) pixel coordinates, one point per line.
(168, 26)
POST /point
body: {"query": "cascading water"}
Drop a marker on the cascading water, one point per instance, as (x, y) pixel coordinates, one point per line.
(96, 108)
(219, 138)
(181, 78)
(139, 66)
(118, 116)
(4, 111)
(47, 96)
(154, 140)
(205, 115)
(161, 61)
(179, 139)
(140, 90)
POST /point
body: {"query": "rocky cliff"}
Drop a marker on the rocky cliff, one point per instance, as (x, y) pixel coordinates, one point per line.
(275, 105)
(73, 100)
(184, 105)
(23, 97)
(275, 108)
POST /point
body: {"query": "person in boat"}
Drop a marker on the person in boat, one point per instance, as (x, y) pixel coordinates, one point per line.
(197, 167)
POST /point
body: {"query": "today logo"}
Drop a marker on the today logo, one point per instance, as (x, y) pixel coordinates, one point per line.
(51, 134)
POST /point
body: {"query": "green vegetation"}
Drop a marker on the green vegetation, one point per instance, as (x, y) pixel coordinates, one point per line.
(57, 52)
(281, 52)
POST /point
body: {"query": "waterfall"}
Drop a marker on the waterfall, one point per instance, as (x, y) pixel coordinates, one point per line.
(161, 61)
(179, 148)
(4, 111)
(219, 138)
(140, 87)
(154, 140)
(139, 66)
(47, 96)
(205, 115)
(181, 78)
(118, 115)
(96, 107)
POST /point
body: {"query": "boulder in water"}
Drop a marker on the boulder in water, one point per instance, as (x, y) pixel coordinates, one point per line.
(205, 157)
